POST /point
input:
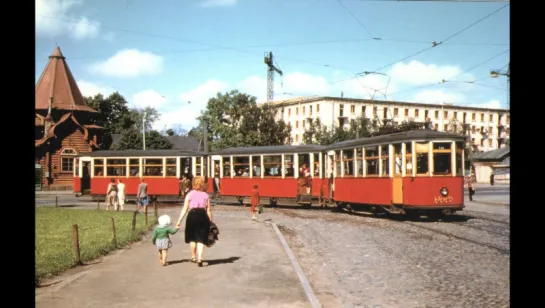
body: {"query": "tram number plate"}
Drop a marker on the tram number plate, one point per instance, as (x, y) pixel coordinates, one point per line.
(443, 200)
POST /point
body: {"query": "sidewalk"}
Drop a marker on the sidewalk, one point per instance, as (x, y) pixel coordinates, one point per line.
(247, 267)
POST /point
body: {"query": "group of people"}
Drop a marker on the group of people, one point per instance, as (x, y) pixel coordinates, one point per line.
(200, 231)
(116, 195)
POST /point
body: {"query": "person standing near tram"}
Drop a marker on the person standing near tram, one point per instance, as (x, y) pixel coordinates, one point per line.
(111, 196)
(121, 194)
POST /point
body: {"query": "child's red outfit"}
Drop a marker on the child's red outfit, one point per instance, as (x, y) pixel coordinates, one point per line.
(254, 201)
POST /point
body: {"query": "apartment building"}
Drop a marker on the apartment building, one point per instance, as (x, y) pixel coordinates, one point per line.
(489, 128)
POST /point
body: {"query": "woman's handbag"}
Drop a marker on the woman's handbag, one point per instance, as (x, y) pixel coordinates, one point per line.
(260, 209)
(213, 235)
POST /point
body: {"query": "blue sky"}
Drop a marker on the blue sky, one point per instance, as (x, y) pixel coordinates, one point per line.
(166, 53)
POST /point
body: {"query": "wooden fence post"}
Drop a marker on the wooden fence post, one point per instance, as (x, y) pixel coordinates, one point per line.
(134, 220)
(113, 231)
(146, 214)
(56, 201)
(75, 242)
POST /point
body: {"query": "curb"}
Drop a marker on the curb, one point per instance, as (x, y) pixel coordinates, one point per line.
(302, 278)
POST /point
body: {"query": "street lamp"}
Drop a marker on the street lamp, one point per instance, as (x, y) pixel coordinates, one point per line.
(498, 73)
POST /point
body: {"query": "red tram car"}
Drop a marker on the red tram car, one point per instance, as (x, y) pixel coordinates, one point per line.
(401, 173)
(161, 169)
(275, 169)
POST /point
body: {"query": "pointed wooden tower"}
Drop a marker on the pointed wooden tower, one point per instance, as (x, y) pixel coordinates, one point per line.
(61, 125)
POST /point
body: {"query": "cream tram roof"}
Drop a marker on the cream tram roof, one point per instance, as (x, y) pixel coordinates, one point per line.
(142, 153)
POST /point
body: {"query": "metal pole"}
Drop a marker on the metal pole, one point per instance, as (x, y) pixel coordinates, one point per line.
(144, 131)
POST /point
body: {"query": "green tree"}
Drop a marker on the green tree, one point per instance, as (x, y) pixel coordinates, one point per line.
(131, 139)
(234, 119)
(317, 133)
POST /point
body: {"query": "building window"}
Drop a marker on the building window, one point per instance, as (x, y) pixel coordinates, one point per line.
(426, 112)
(304, 124)
(445, 127)
(296, 110)
(473, 129)
(296, 124)
(310, 110)
(375, 111)
(482, 141)
(445, 114)
(437, 114)
(385, 113)
(482, 117)
(436, 126)
(317, 107)
(289, 112)
(491, 118)
(396, 112)
(455, 114)
(406, 112)
(352, 109)
(490, 142)
(303, 110)
(507, 119)
(363, 110)
(296, 138)
(341, 110)
(416, 113)
(67, 159)
(508, 130)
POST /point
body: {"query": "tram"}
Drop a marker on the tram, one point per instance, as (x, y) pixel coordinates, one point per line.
(161, 170)
(277, 170)
(419, 171)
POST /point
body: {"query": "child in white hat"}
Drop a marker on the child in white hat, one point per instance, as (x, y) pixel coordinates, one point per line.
(161, 239)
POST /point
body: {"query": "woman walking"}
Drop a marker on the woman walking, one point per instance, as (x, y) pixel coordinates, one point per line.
(199, 216)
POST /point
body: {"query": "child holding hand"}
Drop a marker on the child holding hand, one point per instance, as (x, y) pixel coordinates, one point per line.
(161, 238)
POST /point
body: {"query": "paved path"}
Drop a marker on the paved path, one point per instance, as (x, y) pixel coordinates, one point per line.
(248, 267)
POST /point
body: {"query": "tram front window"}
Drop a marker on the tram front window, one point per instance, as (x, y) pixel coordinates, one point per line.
(442, 158)
(422, 158)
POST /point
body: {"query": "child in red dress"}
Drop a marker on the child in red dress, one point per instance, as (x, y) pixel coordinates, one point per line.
(254, 202)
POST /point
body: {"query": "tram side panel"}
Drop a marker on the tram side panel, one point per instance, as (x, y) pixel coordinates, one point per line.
(273, 187)
(375, 191)
(426, 192)
(77, 184)
(156, 186)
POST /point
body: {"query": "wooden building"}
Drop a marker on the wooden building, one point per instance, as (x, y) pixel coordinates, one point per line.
(496, 161)
(62, 128)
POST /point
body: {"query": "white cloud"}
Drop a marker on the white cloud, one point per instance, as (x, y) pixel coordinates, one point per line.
(148, 98)
(213, 3)
(90, 89)
(439, 96)
(418, 73)
(494, 104)
(129, 63)
(54, 18)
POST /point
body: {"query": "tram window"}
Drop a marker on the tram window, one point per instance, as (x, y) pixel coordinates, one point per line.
(359, 161)
(198, 166)
(99, 167)
(304, 159)
(338, 163)
(348, 161)
(422, 158)
(226, 166)
(385, 158)
(442, 158)
(272, 165)
(242, 166)
(153, 166)
(316, 164)
(185, 166)
(256, 166)
(116, 167)
(371, 160)
(408, 158)
(459, 156)
(397, 158)
(134, 167)
(171, 166)
(288, 165)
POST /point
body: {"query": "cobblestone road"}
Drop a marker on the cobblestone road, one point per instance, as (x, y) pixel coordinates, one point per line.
(363, 261)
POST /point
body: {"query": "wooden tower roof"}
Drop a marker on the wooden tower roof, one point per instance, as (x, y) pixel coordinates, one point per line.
(58, 83)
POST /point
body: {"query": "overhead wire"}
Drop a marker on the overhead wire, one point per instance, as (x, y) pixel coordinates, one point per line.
(355, 18)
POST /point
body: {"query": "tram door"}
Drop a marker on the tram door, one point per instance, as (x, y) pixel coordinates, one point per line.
(331, 172)
(397, 183)
(215, 173)
(85, 178)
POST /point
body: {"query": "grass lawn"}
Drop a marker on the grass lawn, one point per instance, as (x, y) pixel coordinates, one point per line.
(54, 248)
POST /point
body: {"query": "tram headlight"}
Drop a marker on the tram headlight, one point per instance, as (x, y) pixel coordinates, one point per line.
(444, 192)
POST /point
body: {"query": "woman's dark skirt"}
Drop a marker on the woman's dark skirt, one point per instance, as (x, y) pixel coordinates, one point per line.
(197, 226)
